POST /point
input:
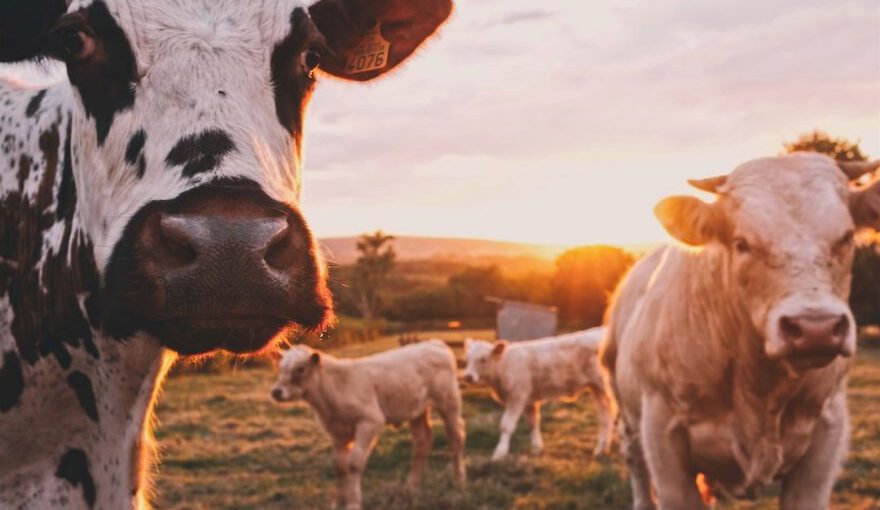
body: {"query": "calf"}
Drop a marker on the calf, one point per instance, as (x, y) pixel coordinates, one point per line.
(524, 374)
(729, 358)
(355, 399)
(149, 205)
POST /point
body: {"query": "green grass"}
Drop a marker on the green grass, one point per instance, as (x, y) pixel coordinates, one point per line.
(224, 445)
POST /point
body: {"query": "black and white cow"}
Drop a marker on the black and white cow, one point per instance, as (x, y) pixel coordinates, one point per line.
(148, 205)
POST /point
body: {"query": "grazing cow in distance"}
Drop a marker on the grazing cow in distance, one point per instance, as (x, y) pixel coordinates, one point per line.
(149, 205)
(730, 358)
(356, 398)
(522, 375)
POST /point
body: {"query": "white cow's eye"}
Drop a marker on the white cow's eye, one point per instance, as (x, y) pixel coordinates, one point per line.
(741, 245)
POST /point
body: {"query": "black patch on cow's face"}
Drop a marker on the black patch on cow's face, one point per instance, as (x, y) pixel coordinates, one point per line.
(74, 467)
(34, 104)
(200, 153)
(82, 387)
(291, 84)
(134, 153)
(11, 381)
(106, 80)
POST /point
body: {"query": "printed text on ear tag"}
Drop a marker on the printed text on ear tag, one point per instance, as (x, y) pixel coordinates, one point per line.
(370, 54)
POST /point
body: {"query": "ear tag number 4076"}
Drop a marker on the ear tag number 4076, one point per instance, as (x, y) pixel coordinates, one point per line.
(370, 54)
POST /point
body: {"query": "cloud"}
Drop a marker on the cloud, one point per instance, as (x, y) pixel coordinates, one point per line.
(512, 106)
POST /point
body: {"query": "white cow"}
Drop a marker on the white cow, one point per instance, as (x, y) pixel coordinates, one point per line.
(524, 374)
(355, 398)
(730, 358)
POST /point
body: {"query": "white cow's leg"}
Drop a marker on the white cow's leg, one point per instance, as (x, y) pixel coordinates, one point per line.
(421, 432)
(533, 417)
(455, 434)
(364, 441)
(664, 442)
(809, 485)
(341, 453)
(639, 477)
(605, 417)
(509, 420)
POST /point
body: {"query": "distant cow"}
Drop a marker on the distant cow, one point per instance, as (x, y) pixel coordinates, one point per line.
(355, 398)
(150, 201)
(730, 358)
(524, 374)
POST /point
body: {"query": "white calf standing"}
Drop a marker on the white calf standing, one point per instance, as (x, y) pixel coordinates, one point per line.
(354, 399)
(523, 374)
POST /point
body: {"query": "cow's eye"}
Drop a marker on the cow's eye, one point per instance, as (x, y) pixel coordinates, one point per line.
(311, 59)
(73, 43)
(741, 245)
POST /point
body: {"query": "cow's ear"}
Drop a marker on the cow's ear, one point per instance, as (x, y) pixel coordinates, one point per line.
(864, 205)
(315, 359)
(367, 38)
(24, 25)
(690, 220)
(499, 347)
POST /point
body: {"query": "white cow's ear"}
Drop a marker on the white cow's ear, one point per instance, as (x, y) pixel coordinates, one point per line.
(315, 359)
(367, 38)
(690, 220)
(499, 347)
(864, 205)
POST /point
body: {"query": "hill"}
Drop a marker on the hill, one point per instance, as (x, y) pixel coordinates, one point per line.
(343, 250)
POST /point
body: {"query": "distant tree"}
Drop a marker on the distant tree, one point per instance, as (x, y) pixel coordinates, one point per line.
(471, 286)
(371, 270)
(840, 149)
(584, 279)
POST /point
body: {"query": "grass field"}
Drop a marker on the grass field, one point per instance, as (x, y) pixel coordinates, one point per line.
(226, 446)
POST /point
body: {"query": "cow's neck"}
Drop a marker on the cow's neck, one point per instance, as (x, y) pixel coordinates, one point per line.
(758, 391)
(74, 401)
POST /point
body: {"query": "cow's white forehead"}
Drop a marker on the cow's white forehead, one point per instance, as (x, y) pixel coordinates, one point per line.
(804, 194)
(186, 53)
(295, 356)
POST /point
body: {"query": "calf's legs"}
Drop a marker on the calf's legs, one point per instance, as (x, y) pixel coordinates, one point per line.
(533, 416)
(606, 421)
(455, 434)
(364, 441)
(421, 432)
(508, 425)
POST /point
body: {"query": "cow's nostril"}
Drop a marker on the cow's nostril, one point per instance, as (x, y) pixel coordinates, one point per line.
(841, 327)
(283, 250)
(790, 329)
(175, 241)
(276, 393)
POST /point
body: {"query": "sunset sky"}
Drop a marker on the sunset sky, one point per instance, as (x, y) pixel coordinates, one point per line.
(564, 122)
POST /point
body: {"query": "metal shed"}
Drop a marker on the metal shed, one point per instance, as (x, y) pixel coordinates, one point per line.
(516, 320)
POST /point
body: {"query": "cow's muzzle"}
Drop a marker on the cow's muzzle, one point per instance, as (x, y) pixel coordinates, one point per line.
(222, 267)
(812, 337)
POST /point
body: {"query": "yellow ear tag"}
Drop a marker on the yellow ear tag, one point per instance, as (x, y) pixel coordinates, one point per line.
(370, 54)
